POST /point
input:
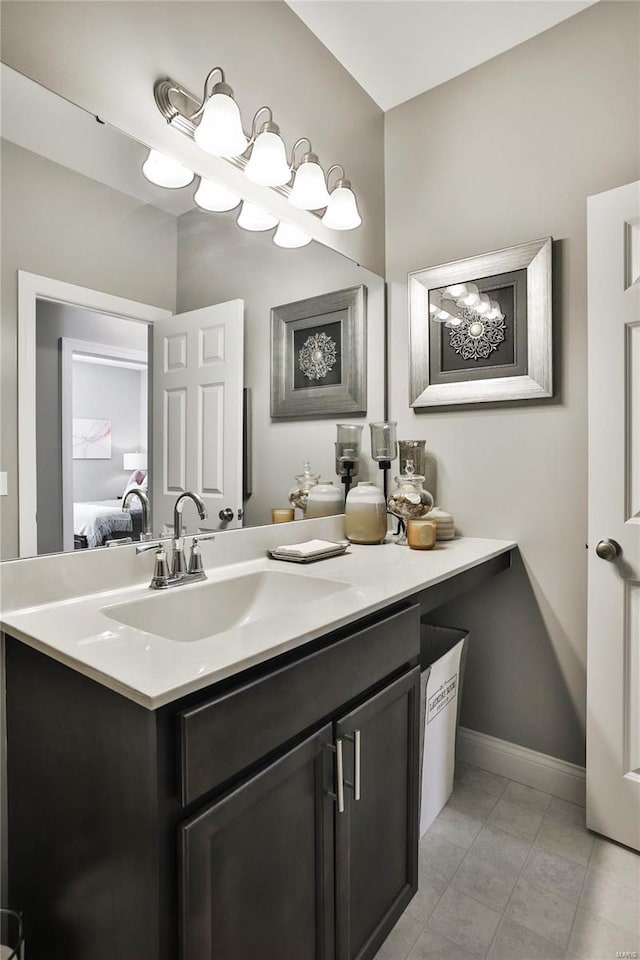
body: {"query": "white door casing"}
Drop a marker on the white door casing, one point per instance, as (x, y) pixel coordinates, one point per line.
(31, 288)
(613, 654)
(197, 414)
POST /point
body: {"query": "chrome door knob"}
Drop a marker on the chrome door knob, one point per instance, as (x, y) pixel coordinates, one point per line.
(608, 549)
(226, 515)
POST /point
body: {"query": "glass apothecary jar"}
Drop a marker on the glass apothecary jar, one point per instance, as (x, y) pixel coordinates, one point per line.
(365, 514)
(299, 494)
(409, 500)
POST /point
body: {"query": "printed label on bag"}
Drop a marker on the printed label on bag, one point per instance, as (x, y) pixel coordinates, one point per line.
(443, 695)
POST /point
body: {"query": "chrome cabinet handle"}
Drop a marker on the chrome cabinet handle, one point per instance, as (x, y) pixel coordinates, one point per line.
(608, 549)
(339, 776)
(355, 740)
(226, 515)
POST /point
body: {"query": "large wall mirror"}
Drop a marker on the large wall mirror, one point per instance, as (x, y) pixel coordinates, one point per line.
(136, 342)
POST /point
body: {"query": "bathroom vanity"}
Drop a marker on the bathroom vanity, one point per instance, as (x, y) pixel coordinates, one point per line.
(266, 805)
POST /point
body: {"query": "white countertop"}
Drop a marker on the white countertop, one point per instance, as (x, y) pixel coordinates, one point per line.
(153, 671)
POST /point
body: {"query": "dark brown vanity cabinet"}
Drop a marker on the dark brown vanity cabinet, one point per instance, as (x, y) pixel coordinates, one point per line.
(273, 816)
(309, 843)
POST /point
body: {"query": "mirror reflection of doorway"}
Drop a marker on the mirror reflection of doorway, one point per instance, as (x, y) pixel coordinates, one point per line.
(92, 440)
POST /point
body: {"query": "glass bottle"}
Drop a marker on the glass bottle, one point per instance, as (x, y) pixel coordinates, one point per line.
(409, 500)
(299, 494)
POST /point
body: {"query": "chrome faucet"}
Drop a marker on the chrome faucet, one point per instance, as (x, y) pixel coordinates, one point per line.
(144, 504)
(178, 563)
(173, 574)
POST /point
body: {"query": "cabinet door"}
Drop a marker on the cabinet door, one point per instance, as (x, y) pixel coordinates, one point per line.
(257, 878)
(377, 834)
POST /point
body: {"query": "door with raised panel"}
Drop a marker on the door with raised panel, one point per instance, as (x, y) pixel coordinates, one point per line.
(377, 832)
(197, 413)
(613, 655)
(256, 867)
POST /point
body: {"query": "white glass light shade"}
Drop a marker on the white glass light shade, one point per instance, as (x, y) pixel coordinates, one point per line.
(456, 290)
(453, 322)
(165, 171)
(255, 218)
(215, 197)
(220, 129)
(471, 297)
(442, 315)
(483, 305)
(309, 190)
(268, 163)
(342, 210)
(495, 313)
(289, 236)
(134, 461)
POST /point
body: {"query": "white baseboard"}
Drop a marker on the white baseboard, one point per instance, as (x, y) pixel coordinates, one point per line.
(558, 777)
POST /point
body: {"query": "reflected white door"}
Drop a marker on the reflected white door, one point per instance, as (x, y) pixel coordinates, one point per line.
(197, 414)
(613, 660)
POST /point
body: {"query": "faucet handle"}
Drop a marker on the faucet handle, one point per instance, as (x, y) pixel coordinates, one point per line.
(178, 563)
(161, 567)
(195, 558)
(152, 545)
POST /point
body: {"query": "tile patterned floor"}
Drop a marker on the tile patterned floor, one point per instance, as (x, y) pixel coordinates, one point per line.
(510, 873)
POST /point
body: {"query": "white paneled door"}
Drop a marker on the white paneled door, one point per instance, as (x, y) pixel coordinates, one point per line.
(197, 414)
(613, 660)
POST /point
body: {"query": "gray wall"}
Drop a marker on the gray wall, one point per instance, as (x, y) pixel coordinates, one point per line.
(506, 153)
(107, 393)
(59, 224)
(107, 56)
(220, 265)
(95, 388)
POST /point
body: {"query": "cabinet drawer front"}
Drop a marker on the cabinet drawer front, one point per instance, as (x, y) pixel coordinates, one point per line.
(225, 735)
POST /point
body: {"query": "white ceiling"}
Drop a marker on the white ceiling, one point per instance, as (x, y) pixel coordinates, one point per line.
(397, 49)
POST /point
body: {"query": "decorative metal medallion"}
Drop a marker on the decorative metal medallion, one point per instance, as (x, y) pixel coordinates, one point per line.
(475, 337)
(317, 356)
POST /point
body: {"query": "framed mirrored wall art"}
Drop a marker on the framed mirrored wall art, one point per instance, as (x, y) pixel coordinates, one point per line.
(480, 328)
(318, 356)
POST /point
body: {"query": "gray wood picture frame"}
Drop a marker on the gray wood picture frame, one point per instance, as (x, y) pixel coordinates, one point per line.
(537, 381)
(348, 397)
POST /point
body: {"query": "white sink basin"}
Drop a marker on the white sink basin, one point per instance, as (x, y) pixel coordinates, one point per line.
(193, 612)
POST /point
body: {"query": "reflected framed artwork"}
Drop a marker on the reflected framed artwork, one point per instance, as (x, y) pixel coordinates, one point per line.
(91, 439)
(480, 328)
(319, 356)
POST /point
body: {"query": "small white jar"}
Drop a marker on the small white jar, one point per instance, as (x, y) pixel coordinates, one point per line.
(365, 515)
(324, 500)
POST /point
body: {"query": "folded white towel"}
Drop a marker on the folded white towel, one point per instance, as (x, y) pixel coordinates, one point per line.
(309, 548)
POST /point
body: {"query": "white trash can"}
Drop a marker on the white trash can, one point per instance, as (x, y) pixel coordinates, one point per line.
(442, 658)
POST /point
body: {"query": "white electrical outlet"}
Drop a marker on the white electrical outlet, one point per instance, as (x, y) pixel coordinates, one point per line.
(3, 484)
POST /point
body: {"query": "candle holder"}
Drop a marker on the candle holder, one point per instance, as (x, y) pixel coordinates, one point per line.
(384, 446)
(348, 446)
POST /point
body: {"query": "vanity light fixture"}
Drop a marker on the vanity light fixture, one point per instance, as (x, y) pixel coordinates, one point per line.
(470, 297)
(214, 197)
(342, 209)
(164, 171)
(309, 191)
(253, 217)
(214, 122)
(219, 130)
(290, 237)
(268, 162)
